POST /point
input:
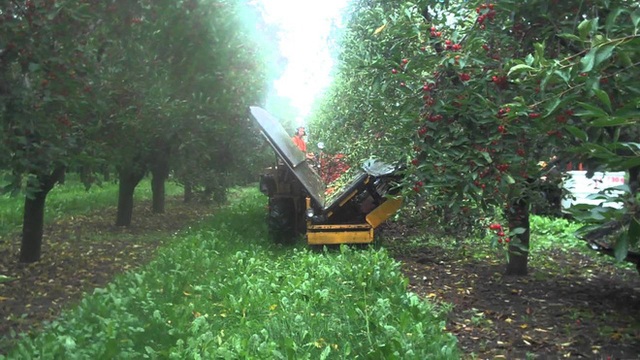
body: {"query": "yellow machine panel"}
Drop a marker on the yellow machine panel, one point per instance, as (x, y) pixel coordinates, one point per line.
(383, 212)
(339, 237)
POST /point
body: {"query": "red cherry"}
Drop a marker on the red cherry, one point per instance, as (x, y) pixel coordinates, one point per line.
(495, 226)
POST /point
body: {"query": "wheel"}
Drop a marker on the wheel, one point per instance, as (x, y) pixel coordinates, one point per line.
(281, 220)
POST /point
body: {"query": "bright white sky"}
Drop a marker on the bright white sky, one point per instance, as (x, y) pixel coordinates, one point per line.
(303, 41)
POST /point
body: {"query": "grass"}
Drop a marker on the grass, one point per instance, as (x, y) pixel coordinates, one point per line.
(222, 290)
(547, 234)
(71, 199)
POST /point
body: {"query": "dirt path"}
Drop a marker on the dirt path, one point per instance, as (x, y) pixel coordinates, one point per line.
(577, 309)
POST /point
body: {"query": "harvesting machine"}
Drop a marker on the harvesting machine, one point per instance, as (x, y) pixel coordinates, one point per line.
(301, 203)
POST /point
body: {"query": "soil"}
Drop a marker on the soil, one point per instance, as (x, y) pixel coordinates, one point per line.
(574, 306)
(571, 306)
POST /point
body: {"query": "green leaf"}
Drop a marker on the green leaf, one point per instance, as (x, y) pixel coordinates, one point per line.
(627, 113)
(4, 278)
(635, 18)
(590, 111)
(596, 213)
(564, 75)
(611, 19)
(634, 232)
(539, 52)
(588, 61)
(69, 343)
(586, 27)
(610, 121)
(517, 231)
(624, 58)
(519, 68)
(621, 248)
(486, 157)
(577, 132)
(568, 36)
(510, 180)
(553, 106)
(604, 53)
(34, 67)
(529, 59)
(604, 98)
(631, 146)
(630, 163)
(518, 246)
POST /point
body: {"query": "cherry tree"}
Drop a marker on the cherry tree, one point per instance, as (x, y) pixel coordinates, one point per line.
(474, 95)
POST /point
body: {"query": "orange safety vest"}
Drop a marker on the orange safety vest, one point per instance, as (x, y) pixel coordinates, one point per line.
(300, 143)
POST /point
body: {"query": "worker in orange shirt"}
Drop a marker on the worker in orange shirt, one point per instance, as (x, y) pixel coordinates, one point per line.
(298, 139)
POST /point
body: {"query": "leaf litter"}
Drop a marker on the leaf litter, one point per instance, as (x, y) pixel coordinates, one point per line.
(570, 306)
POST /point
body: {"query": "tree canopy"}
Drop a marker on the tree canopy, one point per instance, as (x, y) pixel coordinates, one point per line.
(472, 96)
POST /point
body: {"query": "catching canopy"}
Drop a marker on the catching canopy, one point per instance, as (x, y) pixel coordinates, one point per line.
(295, 160)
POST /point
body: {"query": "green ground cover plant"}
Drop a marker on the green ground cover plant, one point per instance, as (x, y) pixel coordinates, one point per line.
(222, 290)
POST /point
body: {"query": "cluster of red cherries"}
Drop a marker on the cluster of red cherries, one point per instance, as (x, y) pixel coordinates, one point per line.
(502, 237)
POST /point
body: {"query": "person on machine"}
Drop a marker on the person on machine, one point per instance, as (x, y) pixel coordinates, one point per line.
(298, 139)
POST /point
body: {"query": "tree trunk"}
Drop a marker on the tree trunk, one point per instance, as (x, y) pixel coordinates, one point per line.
(129, 179)
(33, 217)
(160, 173)
(518, 217)
(158, 193)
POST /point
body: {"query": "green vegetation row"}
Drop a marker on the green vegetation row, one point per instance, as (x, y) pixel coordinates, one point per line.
(222, 290)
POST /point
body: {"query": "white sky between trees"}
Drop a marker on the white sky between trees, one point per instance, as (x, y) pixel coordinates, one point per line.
(305, 27)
